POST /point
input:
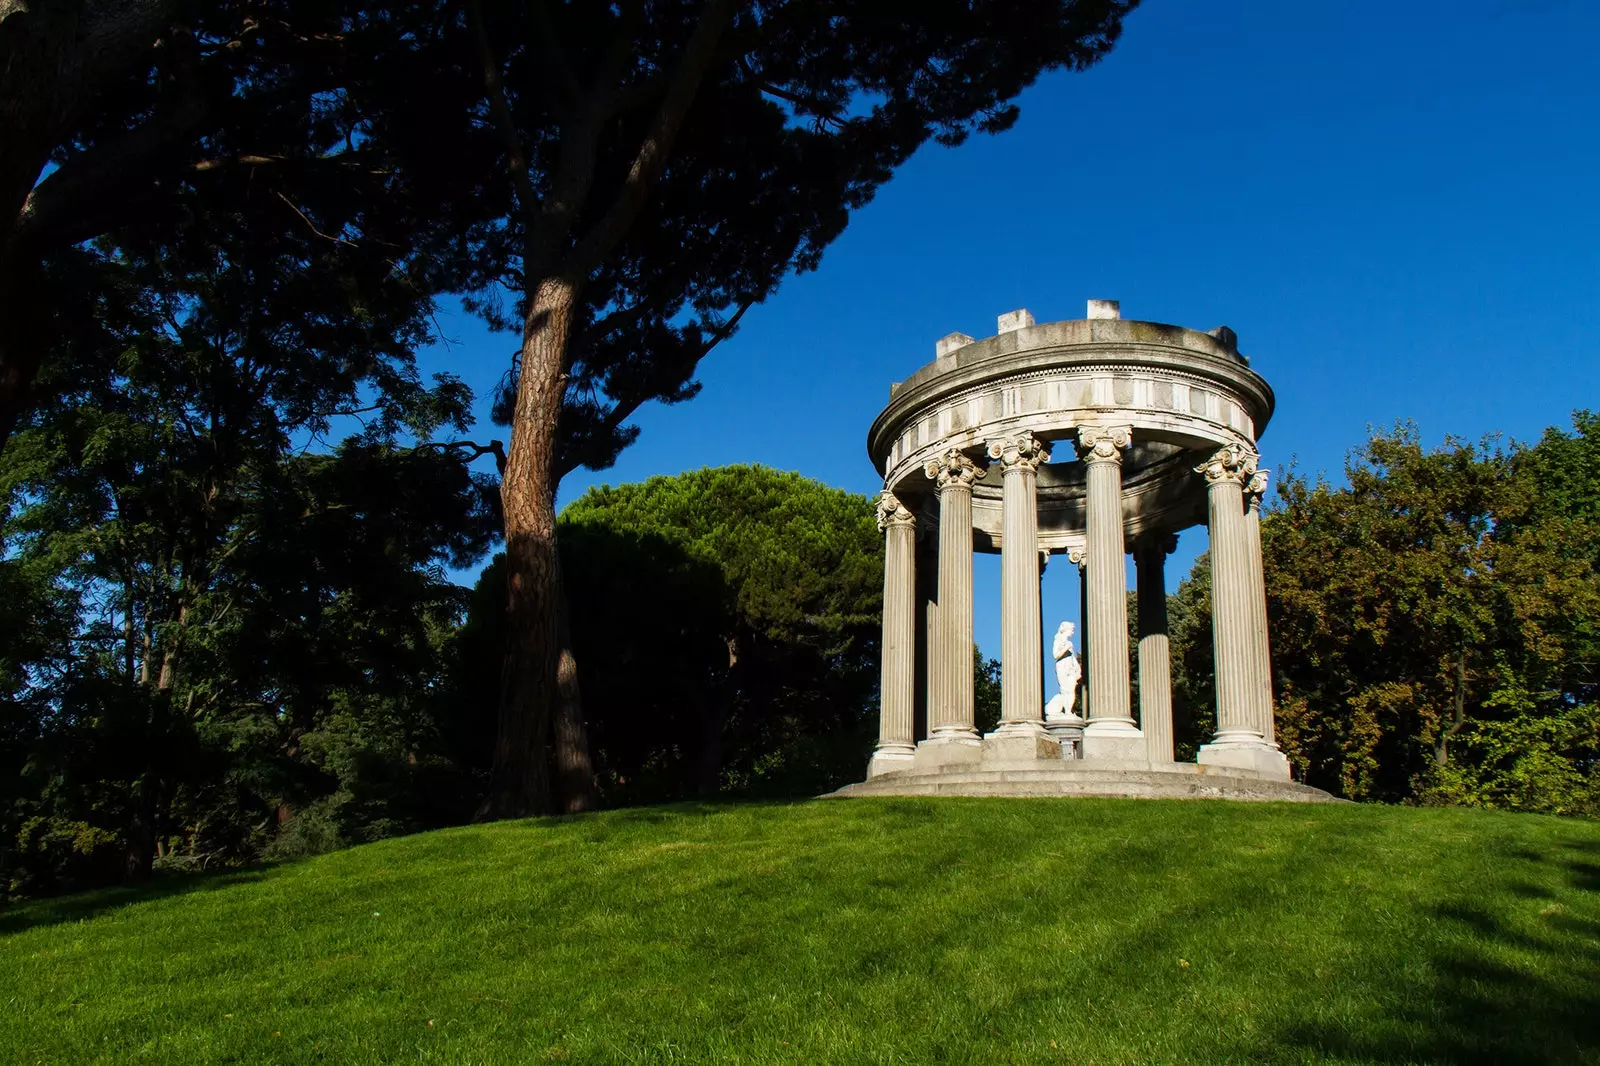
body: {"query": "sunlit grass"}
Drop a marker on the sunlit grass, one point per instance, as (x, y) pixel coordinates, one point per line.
(885, 930)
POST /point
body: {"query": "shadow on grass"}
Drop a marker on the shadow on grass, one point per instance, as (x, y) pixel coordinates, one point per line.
(20, 917)
(1494, 993)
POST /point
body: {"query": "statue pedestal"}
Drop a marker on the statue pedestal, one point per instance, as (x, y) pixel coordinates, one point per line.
(1067, 730)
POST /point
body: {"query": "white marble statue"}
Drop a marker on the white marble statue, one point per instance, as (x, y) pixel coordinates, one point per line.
(1068, 671)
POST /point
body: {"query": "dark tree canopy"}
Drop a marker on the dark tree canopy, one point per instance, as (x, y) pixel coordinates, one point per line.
(227, 549)
(123, 122)
(726, 622)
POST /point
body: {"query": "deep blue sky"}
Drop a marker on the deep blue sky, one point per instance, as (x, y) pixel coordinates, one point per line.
(1395, 204)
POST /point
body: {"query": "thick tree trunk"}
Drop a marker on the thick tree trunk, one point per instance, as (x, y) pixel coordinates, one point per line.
(574, 768)
(714, 725)
(713, 721)
(520, 782)
(139, 849)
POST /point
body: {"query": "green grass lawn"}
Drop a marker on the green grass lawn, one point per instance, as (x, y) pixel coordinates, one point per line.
(859, 931)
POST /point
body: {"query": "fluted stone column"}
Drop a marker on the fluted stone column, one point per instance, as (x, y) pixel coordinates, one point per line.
(927, 626)
(898, 684)
(1238, 742)
(1111, 732)
(1044, 564)
(1155, 663)
(1254, 493)
(1021, 733)
(1080, 559)
(952, 735)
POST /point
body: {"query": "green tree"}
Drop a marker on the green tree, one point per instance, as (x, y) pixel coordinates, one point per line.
(125, 121)
(216, 611)
(727, 621)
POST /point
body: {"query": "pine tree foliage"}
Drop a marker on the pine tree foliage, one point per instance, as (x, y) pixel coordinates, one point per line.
(726, 622)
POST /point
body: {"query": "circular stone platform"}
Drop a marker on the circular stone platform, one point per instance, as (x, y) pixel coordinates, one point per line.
(1077, 777)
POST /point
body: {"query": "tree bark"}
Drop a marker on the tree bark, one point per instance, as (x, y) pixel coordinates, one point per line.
(520, 781)
(139, 849)
(714, 724)
(574, 768)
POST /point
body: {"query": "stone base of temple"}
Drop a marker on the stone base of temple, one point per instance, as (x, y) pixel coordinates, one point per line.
(936, 753)
(1258, 759)
(1001, 746)
(1131, 779)
(888, 761)
(1121, 741)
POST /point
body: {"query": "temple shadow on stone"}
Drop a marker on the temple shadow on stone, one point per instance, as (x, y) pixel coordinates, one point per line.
(1092, 439)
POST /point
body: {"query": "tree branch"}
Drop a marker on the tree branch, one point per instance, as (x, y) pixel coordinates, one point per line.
(495, 448)
(555, 64)
(500, 109)
(55, 211)
(656, 147)
(623, 407)
(310, 224)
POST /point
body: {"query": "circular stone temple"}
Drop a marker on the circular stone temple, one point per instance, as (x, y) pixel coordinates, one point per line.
(1089, 438)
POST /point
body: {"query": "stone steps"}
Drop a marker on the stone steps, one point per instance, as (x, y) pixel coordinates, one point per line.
(1138, 781)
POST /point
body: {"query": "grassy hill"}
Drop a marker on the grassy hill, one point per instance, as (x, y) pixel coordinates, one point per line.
(870, 931)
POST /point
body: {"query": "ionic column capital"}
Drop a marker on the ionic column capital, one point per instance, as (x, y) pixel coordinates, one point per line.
(1078, 554)
(1231, 462)
(953, 468)
(891, 512)
(1021, 452)
(1103, 444)
(1255, 490)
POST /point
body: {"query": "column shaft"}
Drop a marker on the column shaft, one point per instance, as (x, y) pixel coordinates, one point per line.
(1230, 613)
(1259, 632)
(1110, 732)
(1021, 656)
(1155, 662)
(953, 713)
(1083, 635)
(927, 631)
(897, 684)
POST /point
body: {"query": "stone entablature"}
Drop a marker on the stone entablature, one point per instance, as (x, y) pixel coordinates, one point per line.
(1180, 391)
